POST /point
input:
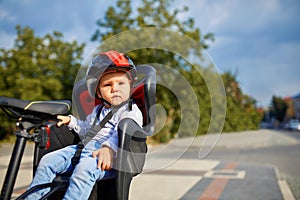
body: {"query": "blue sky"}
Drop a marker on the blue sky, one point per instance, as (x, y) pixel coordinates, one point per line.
(258, 39)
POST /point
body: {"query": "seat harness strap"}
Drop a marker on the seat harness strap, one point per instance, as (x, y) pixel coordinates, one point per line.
(95, 129)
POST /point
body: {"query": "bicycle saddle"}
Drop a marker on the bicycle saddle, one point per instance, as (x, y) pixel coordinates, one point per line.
(53, 107)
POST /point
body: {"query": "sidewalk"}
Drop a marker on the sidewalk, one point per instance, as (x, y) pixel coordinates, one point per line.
(168, 176)
(196, 178)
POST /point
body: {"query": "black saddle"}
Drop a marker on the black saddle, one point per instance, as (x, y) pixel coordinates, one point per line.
(40, 108)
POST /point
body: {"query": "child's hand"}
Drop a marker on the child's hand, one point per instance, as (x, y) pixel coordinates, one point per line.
(105, 157)
(63, 120)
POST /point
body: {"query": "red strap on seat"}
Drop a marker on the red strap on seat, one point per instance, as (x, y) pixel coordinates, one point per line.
(138, 96)
(87, 102)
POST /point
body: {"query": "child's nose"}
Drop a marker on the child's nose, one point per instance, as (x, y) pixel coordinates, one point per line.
(115, 88)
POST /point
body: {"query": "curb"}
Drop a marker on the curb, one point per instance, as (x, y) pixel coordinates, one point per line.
(284, 186)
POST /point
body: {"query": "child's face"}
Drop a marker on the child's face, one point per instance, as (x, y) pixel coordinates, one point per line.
(114, 88)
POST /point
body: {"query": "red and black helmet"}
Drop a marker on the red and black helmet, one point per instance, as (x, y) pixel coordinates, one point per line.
(106, 62)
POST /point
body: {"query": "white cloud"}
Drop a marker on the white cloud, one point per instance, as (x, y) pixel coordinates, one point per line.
(7, 40)
(260, 38)
(4, 15)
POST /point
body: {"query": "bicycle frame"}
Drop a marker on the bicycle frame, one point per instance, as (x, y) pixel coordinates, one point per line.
(14, 164)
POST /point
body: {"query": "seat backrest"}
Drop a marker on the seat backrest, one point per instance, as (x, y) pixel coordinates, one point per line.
(143, 94)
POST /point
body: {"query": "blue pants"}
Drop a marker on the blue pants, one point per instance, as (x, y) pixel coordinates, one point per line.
(84, 176)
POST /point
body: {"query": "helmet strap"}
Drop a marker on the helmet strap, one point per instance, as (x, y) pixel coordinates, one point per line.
(130, 104)
(114, 108)
(105, 103)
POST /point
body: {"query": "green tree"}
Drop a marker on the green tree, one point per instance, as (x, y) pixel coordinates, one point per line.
(278, 108)
(38, 68)
(241, 113)
(151, 13)
(155, 13)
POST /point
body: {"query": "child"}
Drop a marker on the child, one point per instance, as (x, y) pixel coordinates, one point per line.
(110, 77)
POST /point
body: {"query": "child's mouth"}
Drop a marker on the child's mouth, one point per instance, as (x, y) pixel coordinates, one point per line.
(116, 97)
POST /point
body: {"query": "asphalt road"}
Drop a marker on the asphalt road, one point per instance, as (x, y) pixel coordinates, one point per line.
(281, 151)
(246, 165)
(284, 156)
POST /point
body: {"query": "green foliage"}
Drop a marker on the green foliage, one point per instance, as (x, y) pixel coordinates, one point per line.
(151, 13)
(38, 68)
(279, 108)
(241, 113)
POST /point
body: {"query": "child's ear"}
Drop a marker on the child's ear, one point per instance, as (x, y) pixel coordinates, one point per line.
(131, 87)
(130, 83)
(98, 93)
